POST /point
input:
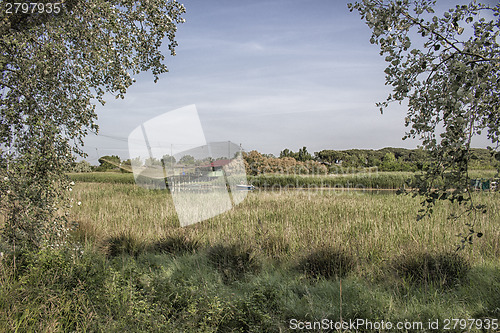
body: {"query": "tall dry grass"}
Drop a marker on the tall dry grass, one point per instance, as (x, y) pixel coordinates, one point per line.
(372, 228)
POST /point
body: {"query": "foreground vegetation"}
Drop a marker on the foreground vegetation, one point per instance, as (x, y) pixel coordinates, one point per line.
(304, 255)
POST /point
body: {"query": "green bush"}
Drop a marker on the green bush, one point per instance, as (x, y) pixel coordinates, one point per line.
(54, 290)
(82, 166)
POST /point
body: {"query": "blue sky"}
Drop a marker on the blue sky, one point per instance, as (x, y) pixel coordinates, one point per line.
(269, 74)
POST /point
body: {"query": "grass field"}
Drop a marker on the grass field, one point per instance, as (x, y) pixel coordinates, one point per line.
(302, 219)
(275, 259)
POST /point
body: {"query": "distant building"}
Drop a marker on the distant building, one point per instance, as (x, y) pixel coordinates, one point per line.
(213, 169)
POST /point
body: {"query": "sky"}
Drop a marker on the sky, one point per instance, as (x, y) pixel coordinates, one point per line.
(269, 75)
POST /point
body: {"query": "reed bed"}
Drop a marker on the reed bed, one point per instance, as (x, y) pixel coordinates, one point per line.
(103, 177)
(361, 180)
(371, 227)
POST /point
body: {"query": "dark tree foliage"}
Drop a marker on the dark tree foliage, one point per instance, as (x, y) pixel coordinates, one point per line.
(109, 162)
(302, 155)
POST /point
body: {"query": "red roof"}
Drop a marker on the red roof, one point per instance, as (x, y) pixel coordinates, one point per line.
(218, 163)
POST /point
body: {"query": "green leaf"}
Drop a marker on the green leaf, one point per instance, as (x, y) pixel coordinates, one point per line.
(59, 66)
(448, 79)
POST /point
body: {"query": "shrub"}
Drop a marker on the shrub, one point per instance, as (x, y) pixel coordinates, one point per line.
(82, 166)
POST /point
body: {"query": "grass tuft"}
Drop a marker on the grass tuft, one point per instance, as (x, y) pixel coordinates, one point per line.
(176, 244)
(441, 269)
(124, 243)
(233, 261)
(326, 262)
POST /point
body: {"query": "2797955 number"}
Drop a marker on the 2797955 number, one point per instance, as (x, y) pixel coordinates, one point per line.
(33, 7)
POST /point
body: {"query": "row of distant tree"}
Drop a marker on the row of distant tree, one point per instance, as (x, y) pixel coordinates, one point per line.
(114, 163)
(397, 159)
(341, 161)
(303, 162)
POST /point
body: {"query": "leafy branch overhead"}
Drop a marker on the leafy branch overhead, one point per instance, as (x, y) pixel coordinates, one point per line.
(54, 68)
(63, 62)
(446, 66)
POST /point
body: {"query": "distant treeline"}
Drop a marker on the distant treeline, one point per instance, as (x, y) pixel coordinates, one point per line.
(397, 159)
(323, 162)
(352, 160)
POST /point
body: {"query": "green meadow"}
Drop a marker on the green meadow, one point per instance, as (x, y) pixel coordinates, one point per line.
(278, 261)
